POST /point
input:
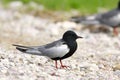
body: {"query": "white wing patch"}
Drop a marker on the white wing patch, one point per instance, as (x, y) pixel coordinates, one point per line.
(115, 20)
(58, 51)
(116, 17)
(33, 51)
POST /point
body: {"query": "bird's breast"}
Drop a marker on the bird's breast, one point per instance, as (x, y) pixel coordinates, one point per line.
(72, 46)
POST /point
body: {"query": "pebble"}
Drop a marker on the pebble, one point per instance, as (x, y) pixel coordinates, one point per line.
(116, 67)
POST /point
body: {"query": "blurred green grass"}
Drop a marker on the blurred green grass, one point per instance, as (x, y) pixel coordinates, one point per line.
(83, 6)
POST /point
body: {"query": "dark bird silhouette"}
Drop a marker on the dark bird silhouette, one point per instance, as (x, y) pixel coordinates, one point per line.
(57, 50)
(110, 18)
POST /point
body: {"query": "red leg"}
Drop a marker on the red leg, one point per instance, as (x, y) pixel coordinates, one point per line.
(62, 66)
(56, 64)
(115, 31)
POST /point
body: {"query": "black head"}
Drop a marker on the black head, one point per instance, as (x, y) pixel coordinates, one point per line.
(119, 4)
(70, 35)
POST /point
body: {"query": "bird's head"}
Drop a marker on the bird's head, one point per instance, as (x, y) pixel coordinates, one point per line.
(70, 35)
(119, 4)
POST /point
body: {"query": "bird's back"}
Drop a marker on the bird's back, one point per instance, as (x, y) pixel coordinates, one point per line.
(54, 49)
(111, 18)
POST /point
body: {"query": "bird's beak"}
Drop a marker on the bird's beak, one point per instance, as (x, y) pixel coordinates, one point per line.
(79, 37)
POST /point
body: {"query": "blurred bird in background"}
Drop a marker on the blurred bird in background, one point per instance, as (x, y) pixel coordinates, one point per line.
(110, 18)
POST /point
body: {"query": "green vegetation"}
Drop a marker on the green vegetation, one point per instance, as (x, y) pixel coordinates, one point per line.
(90, 6)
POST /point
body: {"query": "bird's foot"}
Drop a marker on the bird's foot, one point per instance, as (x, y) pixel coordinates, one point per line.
(115, 31)
(63, 66)
(115, 34)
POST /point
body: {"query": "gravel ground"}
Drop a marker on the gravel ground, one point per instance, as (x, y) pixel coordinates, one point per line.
(97, 56)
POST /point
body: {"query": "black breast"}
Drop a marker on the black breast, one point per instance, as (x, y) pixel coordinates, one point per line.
(73, 46)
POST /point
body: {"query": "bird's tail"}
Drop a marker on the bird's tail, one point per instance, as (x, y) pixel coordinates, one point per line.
(21, 48)
(77, 19)
(85, 20)
(26, 49)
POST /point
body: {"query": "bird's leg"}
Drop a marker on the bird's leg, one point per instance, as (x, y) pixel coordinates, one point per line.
(56, 64)
(62, 66)
(115, 31)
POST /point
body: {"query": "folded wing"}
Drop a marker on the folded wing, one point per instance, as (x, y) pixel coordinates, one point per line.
(52, 50)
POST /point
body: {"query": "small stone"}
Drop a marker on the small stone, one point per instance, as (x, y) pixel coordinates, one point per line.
(3, 71)
(116, 67)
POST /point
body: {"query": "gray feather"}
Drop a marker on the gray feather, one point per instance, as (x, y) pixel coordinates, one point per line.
(110, 18)
(52, 50)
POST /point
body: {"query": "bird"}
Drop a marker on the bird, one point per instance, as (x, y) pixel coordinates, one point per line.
(57, 50)
(110, 18)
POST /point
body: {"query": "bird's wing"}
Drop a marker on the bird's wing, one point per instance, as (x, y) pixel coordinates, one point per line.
(56, 49)
(110, 14)
(111, 18)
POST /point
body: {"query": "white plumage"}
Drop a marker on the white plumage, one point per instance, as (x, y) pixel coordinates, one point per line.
(57, 51)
